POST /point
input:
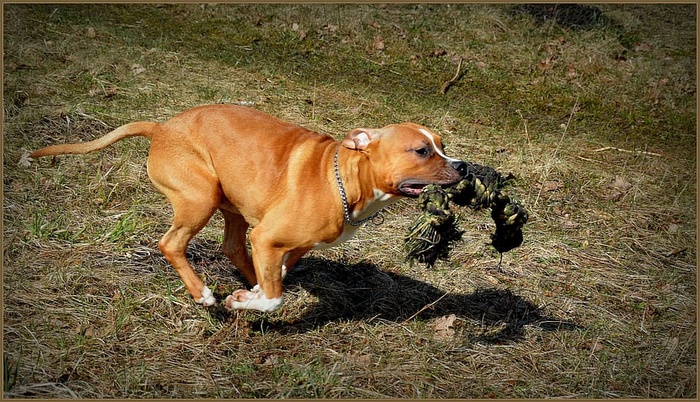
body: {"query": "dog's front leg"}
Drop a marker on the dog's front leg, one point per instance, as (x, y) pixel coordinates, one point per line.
(267, 294)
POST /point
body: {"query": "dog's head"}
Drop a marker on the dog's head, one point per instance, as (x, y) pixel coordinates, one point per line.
(405, 158)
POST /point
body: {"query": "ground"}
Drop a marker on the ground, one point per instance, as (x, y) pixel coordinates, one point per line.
(591, 108)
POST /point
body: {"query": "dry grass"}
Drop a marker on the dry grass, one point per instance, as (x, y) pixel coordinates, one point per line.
(600, 301)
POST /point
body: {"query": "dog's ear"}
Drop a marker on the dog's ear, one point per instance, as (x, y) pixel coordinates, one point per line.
(359, 138)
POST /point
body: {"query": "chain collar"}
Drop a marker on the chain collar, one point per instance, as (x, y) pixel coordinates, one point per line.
(377, 218)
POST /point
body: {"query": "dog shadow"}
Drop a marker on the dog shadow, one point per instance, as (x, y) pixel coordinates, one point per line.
(352, 292)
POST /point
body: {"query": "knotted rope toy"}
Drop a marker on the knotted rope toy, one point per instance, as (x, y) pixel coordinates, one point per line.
(433, 234)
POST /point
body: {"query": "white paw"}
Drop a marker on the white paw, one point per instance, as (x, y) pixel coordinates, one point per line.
(207, 298)
(252, 300)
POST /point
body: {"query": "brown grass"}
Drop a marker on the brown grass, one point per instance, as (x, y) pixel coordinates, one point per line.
(600, 301)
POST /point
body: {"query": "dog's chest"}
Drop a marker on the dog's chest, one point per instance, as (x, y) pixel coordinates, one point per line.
(348, 233)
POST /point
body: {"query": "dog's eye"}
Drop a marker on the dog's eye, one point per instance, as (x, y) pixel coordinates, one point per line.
(422, 151)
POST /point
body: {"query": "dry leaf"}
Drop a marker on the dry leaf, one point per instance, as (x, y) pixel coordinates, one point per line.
(594, 346)
(379, 43)
(137, 69)
(439, 52)
(268, 359)
(642, 47)
(676, 251)
(617, 187)
(362, 359)
(546, 64)
(443, 326)
(673, 228)
(551, 185)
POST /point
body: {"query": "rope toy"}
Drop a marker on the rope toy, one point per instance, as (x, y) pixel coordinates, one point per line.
(433, 234)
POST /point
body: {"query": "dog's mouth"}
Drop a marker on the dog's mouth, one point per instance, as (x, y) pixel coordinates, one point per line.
(412, 188)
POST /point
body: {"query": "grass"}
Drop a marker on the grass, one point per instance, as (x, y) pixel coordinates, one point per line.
(593, 109)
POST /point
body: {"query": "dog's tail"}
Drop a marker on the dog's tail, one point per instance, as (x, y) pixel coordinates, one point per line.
(141, 128)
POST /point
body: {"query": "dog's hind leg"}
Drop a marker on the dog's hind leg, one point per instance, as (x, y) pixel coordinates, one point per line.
(195, 196)
(183, 176)
(234, 245)
(190, 216)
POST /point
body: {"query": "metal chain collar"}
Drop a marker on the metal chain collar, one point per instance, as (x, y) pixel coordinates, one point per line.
(346, 209)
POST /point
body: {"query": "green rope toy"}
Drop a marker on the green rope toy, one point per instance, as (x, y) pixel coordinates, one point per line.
(434, 232)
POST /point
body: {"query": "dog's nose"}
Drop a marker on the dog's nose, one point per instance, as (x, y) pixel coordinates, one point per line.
(461, 167)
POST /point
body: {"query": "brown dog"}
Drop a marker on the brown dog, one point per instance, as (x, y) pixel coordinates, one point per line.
(299, 190)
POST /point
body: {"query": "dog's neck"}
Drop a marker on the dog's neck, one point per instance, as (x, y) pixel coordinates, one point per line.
(363, 198)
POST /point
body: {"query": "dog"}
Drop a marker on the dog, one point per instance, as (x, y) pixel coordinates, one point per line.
(298, 189)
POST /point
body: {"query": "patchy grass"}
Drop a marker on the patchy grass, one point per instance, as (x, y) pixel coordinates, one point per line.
(592, 108)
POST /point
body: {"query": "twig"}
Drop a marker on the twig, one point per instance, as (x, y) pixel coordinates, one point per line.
(626, 150)
(588, 159)
(427, 306)
(448, 84)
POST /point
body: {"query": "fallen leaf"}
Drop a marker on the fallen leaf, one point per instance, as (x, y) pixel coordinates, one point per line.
(617, 187)
(620, 183)
(379, 43)
(551, 185)
(439, 52)
(137, 69)
(546, 64)
(268, 359)
(676, 251)
(642, 47)
(673, 228)
(90, 32)
(362, 359)
(594, 345)
(443, 326)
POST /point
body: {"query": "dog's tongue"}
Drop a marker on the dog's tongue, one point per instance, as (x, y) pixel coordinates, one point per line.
(412, 188)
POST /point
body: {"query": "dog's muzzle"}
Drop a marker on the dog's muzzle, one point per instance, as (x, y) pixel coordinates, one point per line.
(461, 167)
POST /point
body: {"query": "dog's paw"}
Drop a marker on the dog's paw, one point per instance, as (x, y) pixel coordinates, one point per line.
(234, 301)
(207, 298)
(238, 298)
(251, 300)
